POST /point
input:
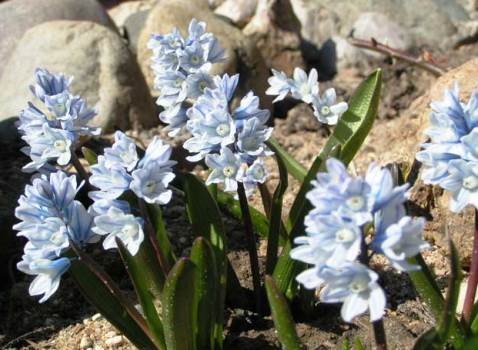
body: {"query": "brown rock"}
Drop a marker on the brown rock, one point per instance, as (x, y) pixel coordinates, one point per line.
(276, 30)
(242, 55)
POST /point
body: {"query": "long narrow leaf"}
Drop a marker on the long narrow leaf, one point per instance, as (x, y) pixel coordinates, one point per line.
(283, 321)
(141, 269)
(276, 218)
(297, 170)
(179, 314)
(206, 288)
(162, 238)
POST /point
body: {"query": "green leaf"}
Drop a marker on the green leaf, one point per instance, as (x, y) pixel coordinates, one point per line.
(276, 218)
(358, 344)
(206, 287)
(109, 301)
(89, 155)
(474, 320)
(297, 170)
(430, 340)
(346, 344)
(207, 222)
(162, 238)
(179, 314)
(141, 269)
(471, 343)
(283, 321)
(227, 203)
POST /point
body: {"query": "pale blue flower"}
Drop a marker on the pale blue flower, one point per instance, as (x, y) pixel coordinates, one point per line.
(112, 180)
(48, 273)
(401, 240)
(304, 87)
(197, 83)
(255, 174)
(325, 109)
(193, 58)
(175, 117)
(126, 227)
(48, 84)
(462, 182)
(279, 85)
(355, 286)
(122, 152)
(158, 153)
(151, 183)
(172, 87)
(51, 235)
(248, 109)
(101, 206)
(225, 169)
(251, 139)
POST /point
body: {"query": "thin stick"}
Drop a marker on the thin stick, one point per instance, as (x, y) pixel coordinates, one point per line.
(251, 240)
(473, 279)
(81, 170)
(374, 45)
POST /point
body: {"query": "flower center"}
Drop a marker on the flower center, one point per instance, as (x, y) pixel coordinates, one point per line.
(229, 170)
(202, 85)
(258, 173)
(130, 230)
(344, 235)
(325, 110)
(358, 284)
(178, 82)
(355, 203)
(126, 157)
(57, 238)
(304, 89)
(223, 129)
(249, 143)
(149, 186)
(195, 59)
(470, 182)
(59, 145)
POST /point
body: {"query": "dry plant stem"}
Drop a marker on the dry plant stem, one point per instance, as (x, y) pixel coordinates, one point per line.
(152, 237)
(374, 45)
(473, 279)
(113, 288)
(81, 170)
(251, 241)
(378, 329)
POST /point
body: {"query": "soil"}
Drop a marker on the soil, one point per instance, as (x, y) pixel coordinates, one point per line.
(67, 321)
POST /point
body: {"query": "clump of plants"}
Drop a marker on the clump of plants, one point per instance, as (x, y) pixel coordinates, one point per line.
(336, 223)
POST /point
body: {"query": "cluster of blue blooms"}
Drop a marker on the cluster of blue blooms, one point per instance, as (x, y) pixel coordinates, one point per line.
(344, 206)
(49, 218)
(53, 128)
(450, 159)
(306, 88)
(120, 170)
(232, 142)
(181, 69)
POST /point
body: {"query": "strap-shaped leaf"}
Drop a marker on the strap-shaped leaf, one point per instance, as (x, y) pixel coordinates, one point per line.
(297, 170)
(358, 344)
(206, 288)
(179, 313)
(103, 293)
(430, 340)
(471, 343)
(283, 321)
(89, 155)
(162, 238)
(143, 271)
(207, 222)
(276, 217)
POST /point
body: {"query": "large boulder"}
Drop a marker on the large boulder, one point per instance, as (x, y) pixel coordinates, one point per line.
(105, 72)
(120, 14)
(276, 31)
(242, 56)
(17, 16)
(239, 12)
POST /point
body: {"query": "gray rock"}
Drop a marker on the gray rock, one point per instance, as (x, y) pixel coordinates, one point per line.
(239, 12)
(133, 26)
(428, 21)
(242, 56)
(105, 72)
(120, 14)
(17, 16)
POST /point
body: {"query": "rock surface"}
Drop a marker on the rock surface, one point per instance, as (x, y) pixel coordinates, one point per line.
(239, 12)
(105, 72)
(242, 56)
(276, 31)
(120, 14)
(17, 16)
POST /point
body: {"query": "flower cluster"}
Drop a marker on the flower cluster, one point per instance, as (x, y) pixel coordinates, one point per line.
(120, 170)
(306, 88)
(53, 128)
(50, 218)
(181, 68)
(343, 206)
(231, 141)
(450, 159)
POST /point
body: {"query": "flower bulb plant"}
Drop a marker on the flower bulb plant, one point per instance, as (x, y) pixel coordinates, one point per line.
(326, 241)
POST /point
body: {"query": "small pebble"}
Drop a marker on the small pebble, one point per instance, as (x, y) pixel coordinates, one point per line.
(110, 334)
(114, 341)
(85, 343)
(96, 317)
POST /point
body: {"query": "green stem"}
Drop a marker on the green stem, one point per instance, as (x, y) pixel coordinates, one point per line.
(473, 279)
(251, 240)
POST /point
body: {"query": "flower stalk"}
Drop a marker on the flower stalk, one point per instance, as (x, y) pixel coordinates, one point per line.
(473, 279)
(251, 242)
